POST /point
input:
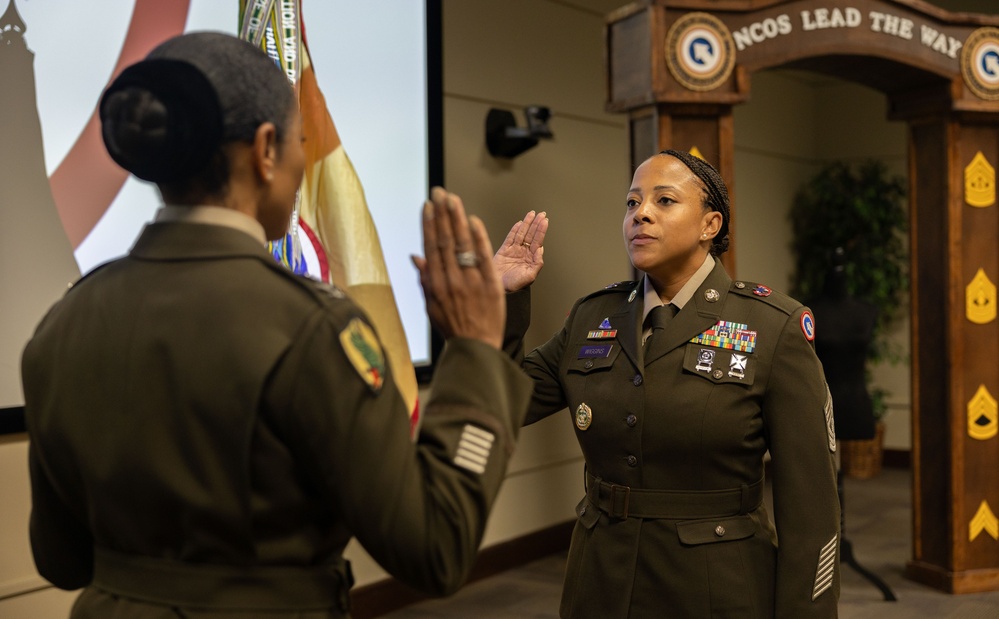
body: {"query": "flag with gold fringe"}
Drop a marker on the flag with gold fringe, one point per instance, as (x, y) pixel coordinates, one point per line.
(332, 236)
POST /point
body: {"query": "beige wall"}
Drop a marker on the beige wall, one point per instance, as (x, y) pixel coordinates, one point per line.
(795, 122)
(23, 593)
(513, 53)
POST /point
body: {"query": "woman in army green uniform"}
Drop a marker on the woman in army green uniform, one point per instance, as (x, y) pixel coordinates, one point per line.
(677, 385)
(209, 430)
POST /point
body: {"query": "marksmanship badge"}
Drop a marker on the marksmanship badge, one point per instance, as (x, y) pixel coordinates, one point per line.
(700, 52)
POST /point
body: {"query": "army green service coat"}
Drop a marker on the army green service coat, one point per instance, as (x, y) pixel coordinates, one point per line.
(672, 524)
(203, 445)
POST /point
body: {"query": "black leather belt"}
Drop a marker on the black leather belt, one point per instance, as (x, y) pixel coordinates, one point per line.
(626, 502)
(224, 587)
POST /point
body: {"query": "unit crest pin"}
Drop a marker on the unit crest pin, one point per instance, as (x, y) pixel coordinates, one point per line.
(584, 416)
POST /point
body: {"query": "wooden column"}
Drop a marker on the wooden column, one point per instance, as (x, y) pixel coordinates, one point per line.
(954, 367)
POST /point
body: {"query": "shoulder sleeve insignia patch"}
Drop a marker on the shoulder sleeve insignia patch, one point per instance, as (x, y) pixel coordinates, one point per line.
(808, 325)
(365, 353)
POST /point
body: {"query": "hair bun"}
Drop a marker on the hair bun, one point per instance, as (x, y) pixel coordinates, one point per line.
(161, 120)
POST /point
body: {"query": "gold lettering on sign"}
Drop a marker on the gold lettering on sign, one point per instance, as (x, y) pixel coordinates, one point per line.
(983, 415)
(980, 299)
(980, 182)
(984, 520)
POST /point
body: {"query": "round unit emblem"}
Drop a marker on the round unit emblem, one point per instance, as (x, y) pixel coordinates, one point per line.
(700, 52)
(584, 416)
(980, 63)
(808, 325)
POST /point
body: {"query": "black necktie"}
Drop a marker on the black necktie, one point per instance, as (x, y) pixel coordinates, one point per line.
(658, 318)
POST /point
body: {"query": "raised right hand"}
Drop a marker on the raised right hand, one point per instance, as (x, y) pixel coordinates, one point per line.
(463, 292)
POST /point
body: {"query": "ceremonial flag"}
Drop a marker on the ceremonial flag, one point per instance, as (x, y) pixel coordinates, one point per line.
(331, 219)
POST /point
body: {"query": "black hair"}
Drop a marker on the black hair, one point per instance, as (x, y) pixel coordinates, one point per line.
(715, 194)
(167, 118)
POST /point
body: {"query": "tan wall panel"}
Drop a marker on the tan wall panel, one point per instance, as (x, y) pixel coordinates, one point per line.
(547, 443)
(48, 603)
(15, 507)
(521, 52)
(580, 179)
(793, 122)
(778, 120)
(767, 186)
(17, 570)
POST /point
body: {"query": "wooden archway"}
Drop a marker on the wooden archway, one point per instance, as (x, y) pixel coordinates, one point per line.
(677, 68)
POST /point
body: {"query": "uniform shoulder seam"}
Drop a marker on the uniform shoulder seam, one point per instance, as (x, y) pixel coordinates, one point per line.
(765, 294)
(625, 286)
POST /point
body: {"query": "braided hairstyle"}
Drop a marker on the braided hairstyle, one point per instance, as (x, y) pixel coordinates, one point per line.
(715, 194)
(166, 119)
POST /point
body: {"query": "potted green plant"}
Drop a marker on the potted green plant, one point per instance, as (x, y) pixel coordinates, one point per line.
(860, 208)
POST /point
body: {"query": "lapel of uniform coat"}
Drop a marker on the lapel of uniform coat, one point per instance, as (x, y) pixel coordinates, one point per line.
(628, 322)
(699, 314)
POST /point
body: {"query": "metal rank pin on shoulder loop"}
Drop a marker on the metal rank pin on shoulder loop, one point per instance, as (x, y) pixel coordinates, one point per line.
(584, 416)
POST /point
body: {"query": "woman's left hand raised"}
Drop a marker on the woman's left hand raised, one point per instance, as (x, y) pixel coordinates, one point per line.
(520, 258)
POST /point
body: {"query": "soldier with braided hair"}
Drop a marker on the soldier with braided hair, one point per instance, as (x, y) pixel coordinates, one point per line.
(677, 386)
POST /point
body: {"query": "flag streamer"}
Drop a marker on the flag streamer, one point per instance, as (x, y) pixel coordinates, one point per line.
(331, 216)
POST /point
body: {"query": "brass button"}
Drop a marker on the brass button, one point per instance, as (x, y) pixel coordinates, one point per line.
(637, 380)
(717, 374)
(740, 285)
(720, 531)
(631, 420)
(632, 461)
(588, 364)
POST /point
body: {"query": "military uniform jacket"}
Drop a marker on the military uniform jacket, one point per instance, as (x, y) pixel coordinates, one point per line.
(201, 439)
(672, 524)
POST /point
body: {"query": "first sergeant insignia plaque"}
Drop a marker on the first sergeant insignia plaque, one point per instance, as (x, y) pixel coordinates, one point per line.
(700, 52)
(980, 63)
